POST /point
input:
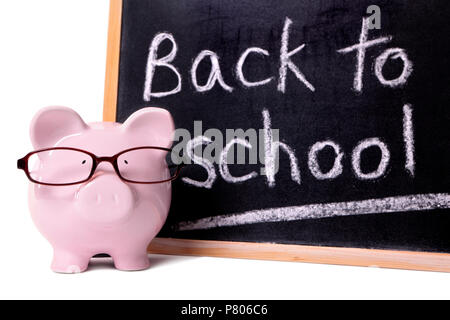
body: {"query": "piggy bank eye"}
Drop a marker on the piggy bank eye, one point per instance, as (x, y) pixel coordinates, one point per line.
(125, 161)
(84, 162)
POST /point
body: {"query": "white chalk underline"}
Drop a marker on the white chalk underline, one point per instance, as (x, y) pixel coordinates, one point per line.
(418, 202)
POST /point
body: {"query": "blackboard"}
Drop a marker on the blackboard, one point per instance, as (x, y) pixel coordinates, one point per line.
(359, 94)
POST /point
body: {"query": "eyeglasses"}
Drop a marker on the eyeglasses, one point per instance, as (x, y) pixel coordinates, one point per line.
(69, 166)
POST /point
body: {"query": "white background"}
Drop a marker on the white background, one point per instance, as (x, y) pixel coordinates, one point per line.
(53, 52)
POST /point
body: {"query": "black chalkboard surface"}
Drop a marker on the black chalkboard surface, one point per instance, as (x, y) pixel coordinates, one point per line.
(357, 92)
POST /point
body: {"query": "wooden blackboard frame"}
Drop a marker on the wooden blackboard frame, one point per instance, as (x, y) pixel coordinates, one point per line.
(263, 251)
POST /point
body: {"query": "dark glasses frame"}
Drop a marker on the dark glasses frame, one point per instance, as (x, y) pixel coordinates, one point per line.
(22, 164)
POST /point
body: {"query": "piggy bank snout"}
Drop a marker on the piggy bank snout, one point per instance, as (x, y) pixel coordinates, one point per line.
(106, 200)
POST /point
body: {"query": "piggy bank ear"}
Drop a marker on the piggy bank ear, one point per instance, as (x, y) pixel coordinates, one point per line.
(152, 126)
(52, 124)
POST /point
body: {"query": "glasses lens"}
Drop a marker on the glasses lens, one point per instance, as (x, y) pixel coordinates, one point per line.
(144, 165)
(60, 166)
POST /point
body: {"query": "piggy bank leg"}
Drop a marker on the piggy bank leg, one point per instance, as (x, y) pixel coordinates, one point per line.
(131, 260)
(65, 261)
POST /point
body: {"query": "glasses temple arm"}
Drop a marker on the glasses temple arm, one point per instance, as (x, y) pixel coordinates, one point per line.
(21, 164)
(180, 166)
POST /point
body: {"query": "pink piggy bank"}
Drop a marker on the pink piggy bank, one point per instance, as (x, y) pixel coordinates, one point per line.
(100, 188)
